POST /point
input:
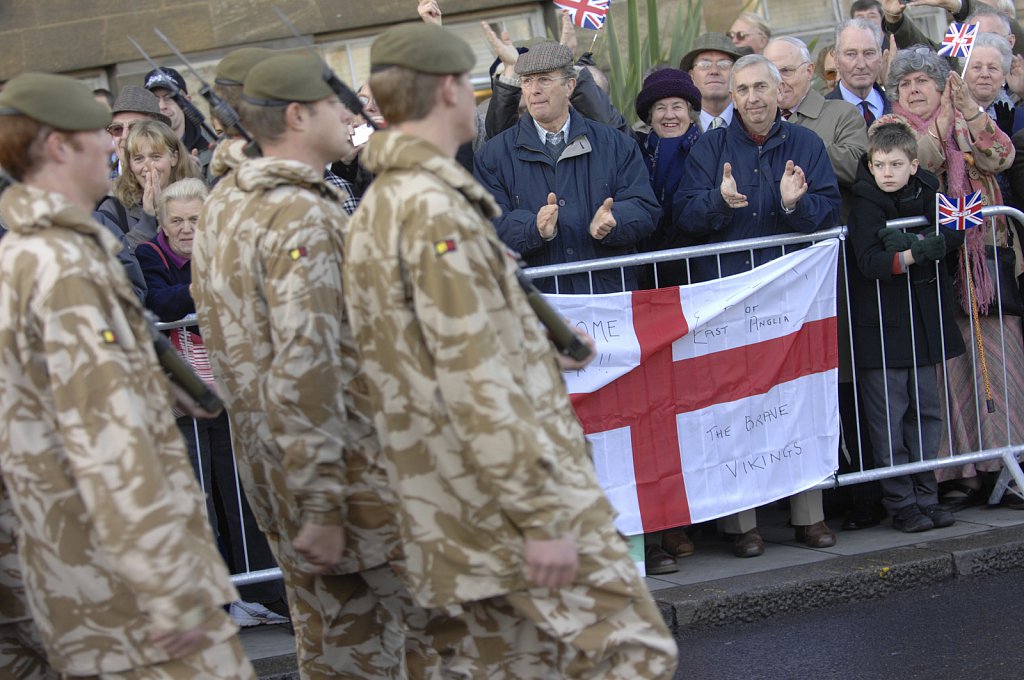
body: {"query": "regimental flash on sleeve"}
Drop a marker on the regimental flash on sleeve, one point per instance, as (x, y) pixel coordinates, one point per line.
(296, 253)
(108, 336)
(446, 246)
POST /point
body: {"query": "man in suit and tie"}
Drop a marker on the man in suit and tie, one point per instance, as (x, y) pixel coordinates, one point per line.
(709, 64)
(859, 61)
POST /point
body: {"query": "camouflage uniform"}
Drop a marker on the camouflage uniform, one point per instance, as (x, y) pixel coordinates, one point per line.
(112, 537)
(22, 656)
(267, 285)
(478, 432)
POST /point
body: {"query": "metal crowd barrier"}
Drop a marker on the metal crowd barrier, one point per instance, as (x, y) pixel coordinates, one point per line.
(1008, 453)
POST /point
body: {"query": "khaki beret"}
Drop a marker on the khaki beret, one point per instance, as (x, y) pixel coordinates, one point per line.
(426, 48)
(58, 101)
(285, 78)
(544, 57)
(234, 67)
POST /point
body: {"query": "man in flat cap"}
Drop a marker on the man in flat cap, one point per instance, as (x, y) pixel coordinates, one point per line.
(709, 63)
(133, 103)
(267, 262)
(122, 574)
(500, 509)
(569, 188)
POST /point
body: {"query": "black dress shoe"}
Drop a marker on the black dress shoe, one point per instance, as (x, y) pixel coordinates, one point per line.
(864, 517)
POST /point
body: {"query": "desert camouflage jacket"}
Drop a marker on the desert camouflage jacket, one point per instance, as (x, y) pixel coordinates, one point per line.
(13, 604)
(266, 278)
(481, 441)
(227, 156)
(113, 540)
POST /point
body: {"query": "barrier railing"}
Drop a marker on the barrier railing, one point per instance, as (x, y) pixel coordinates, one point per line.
(1007, 453)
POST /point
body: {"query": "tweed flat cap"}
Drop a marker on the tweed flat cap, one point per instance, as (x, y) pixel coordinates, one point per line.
(58, 101)
(135, 99)
(165, 77)
(286, 78)
(234, 67)
(544, 57)
(709, 42)
(426, 48)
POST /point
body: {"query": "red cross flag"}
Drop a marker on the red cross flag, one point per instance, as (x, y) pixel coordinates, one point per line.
(712, 398)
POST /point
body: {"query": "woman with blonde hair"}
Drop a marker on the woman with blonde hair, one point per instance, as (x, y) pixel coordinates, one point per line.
(155, 159)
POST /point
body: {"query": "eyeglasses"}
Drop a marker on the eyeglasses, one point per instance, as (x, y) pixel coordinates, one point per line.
(737, 35)
(789, 71)
(544, 81)
(115, 129)
(706, 64)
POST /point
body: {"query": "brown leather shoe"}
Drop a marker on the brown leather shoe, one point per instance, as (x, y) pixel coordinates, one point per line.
(657, 561)
(817, 535)
(677, 543)
(749, 544)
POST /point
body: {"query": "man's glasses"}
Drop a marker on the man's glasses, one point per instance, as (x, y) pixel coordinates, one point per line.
(737, 35)
(544, 81)
(116, 129)
(706, 64)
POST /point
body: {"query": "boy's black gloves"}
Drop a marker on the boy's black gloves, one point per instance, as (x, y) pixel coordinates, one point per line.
(929, 249)
(895, 240)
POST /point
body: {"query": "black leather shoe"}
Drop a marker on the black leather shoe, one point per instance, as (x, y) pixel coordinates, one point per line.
(940, 518)
(864, 517)
(911, 520)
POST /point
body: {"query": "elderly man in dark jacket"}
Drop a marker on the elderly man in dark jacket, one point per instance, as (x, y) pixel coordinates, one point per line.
(581, 193)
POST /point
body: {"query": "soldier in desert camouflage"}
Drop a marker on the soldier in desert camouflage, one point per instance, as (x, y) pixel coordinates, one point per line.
(501, 511)
(121, 573)
(267, 284)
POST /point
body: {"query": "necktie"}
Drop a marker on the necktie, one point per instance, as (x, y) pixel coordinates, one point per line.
(716, 123)
(869, 117)
(786, 113)
(554, 144)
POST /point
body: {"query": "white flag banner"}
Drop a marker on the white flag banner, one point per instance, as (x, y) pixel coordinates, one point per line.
(712, 398)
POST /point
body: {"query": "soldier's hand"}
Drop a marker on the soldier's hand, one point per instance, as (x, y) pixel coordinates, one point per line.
(321, 545)
(552, 563)
(603, 222)
(186, 403)
(567, 363)
(429, 11)
(179, 644)
(792, 186)
(732, 196)
(547, 218)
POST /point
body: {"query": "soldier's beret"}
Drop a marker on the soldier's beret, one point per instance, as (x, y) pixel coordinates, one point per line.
(544, 57)
(426, 48)
(285, 78)
(233, 68)
(58, 101)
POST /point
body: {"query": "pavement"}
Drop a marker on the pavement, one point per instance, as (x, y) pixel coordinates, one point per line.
(714, 588)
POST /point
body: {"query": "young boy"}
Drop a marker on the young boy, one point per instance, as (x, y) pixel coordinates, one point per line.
(896, 356)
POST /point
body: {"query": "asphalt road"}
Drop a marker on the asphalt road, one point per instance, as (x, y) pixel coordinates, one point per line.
(967, 629)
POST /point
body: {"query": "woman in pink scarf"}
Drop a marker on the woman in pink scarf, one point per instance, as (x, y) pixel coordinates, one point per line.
(962, 145)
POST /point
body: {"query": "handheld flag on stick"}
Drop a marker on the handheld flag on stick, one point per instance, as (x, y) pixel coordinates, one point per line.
(959, 42)
(586, 13)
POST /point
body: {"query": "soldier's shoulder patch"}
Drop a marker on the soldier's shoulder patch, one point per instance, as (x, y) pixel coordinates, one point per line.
(297, 253)
(445, 246)
(108, 336)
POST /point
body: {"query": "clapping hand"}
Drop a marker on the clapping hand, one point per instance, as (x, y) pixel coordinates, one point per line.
(733, 198)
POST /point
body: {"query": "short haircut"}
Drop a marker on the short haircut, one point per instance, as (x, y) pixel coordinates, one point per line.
(982, 10)
(266, 123)
(404, 95)
(127, 188)
(750, 60)
(917, 58)
(865, 6)
(188, 189)
(895, 136)
(805, 54)
(863, 24)
(999, 44)
(232, 96)
(21, 145)
(758, 22)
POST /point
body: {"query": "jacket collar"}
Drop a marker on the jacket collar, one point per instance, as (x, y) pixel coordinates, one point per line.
(812, 105)
(577, 144)
(29, 210)
(778, 132)
(396, 150)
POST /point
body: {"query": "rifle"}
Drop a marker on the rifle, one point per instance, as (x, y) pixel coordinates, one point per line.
(565, 339)
(220, 108)
(192, 114)
(349, 98)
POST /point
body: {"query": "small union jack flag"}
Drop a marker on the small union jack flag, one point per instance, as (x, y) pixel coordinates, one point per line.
(959, 40)
(959, 213)
(586, 13)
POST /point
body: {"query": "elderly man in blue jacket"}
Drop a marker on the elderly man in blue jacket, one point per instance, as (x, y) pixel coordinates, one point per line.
(569, 188)
(758, 176)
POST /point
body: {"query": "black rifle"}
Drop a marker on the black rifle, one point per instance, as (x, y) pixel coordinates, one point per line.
(220, 108)
(349, 98)
(564, 337)
(192, 114)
